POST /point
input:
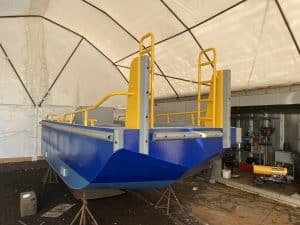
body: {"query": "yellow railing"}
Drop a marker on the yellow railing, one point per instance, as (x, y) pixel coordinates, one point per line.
(91, 108)
(169, 115)
(211, 83)
(210, 99)
(149, 50)
(54, 117)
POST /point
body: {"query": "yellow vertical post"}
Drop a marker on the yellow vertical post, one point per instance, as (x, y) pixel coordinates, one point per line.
(193, 119)
(71, 118)
(132, 119)
(86, 118)
(219, 99)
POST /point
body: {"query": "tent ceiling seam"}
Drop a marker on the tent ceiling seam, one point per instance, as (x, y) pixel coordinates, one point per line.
(190, 28)
(70, 30)
(17, 74)
(286, 22)
(132, 36)
(60, 72)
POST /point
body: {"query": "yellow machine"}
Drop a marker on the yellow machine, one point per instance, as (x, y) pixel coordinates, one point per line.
(270, 173)
(270, 170)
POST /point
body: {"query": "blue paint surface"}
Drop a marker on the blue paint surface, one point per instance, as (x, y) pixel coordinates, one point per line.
(85, 162)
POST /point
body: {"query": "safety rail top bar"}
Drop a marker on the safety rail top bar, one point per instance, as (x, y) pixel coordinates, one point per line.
(213, 84)
(168, 115)
(97, 105)
(54, 117)
(151, 51)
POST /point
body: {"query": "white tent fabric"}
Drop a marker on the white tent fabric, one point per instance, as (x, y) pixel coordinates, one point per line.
(69, 53)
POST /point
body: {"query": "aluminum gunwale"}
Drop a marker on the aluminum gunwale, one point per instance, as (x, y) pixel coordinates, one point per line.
(186, 135)
(102, 135)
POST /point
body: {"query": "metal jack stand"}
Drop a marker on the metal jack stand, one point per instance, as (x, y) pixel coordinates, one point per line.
(168, 194)
(50, 177)
(84, 212)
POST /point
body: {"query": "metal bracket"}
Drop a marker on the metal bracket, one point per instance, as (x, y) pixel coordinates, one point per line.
(226, 108)
(144, 106)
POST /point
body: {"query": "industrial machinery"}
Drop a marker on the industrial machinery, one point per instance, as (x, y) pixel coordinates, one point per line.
(265, 144)
(140, 155)
(269, 173)
(286, 159)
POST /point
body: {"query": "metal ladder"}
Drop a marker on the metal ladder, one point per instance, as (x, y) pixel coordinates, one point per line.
(211, 99)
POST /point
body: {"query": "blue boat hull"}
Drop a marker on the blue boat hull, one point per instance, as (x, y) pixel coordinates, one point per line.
(89, 162)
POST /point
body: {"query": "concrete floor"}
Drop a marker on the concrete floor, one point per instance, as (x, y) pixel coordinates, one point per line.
(216, 204)
(204, 203)
(287, 193)
(288, 189)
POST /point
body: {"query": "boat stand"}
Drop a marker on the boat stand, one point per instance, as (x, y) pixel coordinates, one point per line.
(50, 177)
(168, 195)
(84, 213)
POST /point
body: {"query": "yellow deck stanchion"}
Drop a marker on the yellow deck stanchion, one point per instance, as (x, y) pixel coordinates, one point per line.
(70, 115)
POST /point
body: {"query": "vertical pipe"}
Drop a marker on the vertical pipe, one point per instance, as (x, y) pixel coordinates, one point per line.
(281, 131)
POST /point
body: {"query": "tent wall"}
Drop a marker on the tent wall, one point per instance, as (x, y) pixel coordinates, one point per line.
(41, 52)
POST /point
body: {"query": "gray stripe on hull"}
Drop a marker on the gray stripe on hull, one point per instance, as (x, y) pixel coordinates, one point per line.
(102, 135)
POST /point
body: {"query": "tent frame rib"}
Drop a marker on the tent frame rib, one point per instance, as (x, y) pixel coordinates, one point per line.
(133, 37)
(286, 22)
(105, 56)
(186, 27)
(70, 30)
(60, 72)
(17, 74)
(190, 28)
(87, 40)
(168, 76)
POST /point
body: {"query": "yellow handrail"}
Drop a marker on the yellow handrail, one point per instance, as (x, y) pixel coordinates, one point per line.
(213, 82)
(91, 108)
(168, 115)
(54, 117)
(149, 50)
